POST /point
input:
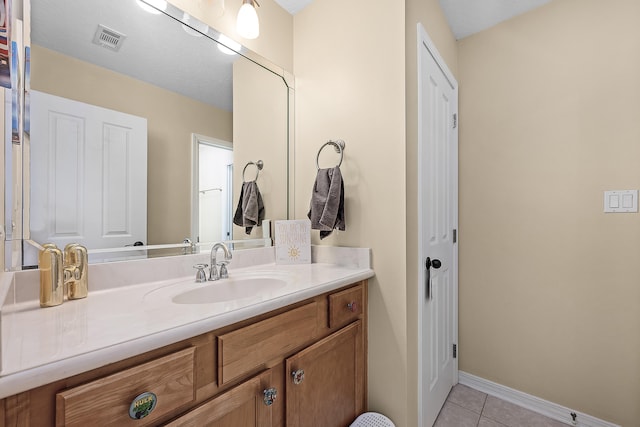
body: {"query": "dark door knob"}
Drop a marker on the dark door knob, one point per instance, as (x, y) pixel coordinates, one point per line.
(435, 263)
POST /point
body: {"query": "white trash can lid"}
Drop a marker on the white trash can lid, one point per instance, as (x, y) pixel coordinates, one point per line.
(372, 419)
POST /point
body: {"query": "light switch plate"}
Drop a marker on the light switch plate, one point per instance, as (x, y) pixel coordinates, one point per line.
(621, 201)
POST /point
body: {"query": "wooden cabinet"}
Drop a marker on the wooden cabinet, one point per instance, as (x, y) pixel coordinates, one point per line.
(325, 385)
(246, 405)
(219, 379)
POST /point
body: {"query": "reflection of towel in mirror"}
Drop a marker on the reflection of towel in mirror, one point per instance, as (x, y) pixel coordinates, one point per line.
(326, 210)
(250, 211)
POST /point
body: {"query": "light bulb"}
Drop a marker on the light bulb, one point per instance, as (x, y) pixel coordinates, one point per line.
(247, 24)
(153, 6)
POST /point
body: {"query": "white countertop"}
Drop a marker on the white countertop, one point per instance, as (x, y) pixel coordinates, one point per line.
(41, 345)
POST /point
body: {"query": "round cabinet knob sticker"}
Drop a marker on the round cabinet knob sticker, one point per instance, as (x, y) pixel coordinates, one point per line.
(142, 405)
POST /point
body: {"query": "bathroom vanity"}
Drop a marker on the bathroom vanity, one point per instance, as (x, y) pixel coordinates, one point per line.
(294, 356)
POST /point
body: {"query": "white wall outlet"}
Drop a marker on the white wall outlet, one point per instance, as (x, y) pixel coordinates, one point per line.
(621, 201)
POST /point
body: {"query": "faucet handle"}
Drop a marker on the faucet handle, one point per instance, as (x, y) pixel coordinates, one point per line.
(192, 246)
(76, 271)
(213, 273)
(224, 274)
(201, 276)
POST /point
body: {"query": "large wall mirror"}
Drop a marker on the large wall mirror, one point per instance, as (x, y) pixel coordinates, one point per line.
(141, 128)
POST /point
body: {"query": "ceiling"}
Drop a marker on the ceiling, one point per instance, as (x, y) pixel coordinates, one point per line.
(293, 6)
(157, 49)
(468, 17)
(154, 48)
(465, 17)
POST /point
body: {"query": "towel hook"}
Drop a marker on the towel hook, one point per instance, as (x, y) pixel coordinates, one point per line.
(338, 145)
(259, 165)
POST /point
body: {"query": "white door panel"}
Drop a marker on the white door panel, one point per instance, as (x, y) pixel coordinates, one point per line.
(437, 149)
(88, 174)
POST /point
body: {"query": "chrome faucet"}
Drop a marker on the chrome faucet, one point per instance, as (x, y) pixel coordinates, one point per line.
(192, 246)
(213, 271)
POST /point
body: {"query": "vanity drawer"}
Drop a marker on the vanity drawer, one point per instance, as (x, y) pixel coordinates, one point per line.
(106, 401)
(345, 306)
(246, 349)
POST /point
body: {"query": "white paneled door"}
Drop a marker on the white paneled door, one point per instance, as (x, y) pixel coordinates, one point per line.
(438, 193)
(88, 174)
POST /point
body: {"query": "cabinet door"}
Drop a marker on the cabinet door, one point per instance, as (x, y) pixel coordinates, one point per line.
(326, 381)
(242, 406)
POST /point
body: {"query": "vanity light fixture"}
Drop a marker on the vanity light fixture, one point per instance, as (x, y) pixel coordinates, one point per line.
(248, 25)
(153, 6)
(228, 46)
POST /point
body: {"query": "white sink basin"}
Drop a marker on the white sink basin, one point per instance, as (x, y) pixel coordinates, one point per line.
(230, 289)
(239, 288)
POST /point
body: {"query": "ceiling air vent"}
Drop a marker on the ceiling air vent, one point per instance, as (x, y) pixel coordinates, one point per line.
(106, 37)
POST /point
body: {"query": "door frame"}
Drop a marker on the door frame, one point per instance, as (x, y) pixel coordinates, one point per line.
(196, 140)
(425, 41)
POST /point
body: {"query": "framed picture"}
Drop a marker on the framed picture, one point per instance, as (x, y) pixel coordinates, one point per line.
(293, 241)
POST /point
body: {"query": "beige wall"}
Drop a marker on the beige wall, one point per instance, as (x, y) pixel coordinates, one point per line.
(430, 15)
(349, 68)
(350, 84)
(260, 133)
(171, 118)
(549, 284)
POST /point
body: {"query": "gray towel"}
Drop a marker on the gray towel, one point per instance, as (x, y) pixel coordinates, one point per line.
(250, 211)
(326, 210)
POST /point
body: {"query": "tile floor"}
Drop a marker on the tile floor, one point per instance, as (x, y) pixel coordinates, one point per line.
(466, 407)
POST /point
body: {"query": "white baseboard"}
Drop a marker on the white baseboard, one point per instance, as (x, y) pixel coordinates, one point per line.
(535, 404)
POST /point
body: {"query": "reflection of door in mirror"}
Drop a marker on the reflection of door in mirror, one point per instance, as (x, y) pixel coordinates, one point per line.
(78, 148)
(212, 194)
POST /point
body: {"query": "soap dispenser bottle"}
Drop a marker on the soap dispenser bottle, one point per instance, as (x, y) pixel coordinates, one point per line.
(51, 276)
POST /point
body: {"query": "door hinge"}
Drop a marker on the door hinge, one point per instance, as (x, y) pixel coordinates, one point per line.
(455, 351)
(455, 120)
(455, 235)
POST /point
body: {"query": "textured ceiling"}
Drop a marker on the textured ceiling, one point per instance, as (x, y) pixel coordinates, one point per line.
(465, 17)
(293, 6)
(156, 49)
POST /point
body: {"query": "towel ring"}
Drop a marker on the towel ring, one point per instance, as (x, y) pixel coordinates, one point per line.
(259, 165)
(338, 144)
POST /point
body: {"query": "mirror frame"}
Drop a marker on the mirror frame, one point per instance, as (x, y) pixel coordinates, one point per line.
(14, 149)
(20, 177)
